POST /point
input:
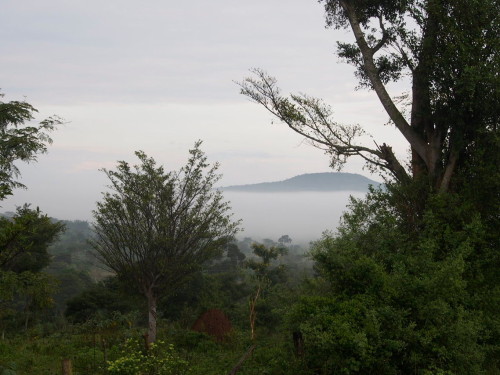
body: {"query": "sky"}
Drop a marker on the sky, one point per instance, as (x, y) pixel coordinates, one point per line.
(158, 75)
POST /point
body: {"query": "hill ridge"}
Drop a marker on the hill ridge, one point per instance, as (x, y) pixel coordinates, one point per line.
(323, 181)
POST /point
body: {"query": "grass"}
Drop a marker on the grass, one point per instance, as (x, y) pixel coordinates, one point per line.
(33, 355)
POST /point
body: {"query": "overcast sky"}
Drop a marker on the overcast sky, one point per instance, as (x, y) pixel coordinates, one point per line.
(157, 75)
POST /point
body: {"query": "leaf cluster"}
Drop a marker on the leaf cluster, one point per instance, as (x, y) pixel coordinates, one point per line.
(264, 269)
(25, 239)
(20, 141)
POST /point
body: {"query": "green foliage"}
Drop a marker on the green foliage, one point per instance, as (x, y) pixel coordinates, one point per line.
(155, 229)
(159, 359)
(192, 354)
(461, 85)
(101, 301)
(35, 354)
(272, 355)
(389, 301)
(24, 290)
(71, 283)
(20, 142)
(236, 257)
(73, 263)
(24, 294)
(263, 269)
(72, 250)
(265, 275)
(25, 238)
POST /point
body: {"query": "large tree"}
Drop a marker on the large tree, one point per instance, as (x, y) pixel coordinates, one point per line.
(20, 140)
(409, 283)
(449, 49)
(157, 228)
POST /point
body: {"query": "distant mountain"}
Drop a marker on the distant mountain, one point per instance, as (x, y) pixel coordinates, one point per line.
(328, 181)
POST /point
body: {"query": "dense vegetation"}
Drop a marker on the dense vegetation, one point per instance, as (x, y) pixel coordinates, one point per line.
(94, 313)
(407, 284)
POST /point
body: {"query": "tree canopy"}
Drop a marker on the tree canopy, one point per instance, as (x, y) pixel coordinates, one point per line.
(25, 238)
(408, 283)
(386, 300)
(20, 140)
(156, 228)
(450, 52)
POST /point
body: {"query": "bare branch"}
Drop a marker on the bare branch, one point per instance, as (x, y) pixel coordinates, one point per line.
(312, 118)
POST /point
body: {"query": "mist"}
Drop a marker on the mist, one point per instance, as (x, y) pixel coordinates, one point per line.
(304, 216)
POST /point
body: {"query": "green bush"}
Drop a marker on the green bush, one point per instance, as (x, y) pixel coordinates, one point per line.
(160, 359)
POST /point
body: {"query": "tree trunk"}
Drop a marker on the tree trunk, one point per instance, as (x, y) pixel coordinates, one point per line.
(240, 362)
(413, 138)
(67, 367)
(104, 351)
(151, 317)
(253, 313)
(27, 314)
(298, 343)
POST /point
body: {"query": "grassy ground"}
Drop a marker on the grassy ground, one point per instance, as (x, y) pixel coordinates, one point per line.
(89, 352)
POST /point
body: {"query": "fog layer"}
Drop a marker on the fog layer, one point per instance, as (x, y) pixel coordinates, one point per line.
(304, 216)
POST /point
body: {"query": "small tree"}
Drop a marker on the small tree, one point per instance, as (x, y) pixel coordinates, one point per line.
(156, 228)
(285, 240)
(265, 275)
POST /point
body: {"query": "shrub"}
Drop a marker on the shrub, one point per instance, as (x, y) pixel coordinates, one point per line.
(160, 359)
(214, 323)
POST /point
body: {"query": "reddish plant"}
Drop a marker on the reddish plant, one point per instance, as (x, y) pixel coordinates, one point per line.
(214, 323)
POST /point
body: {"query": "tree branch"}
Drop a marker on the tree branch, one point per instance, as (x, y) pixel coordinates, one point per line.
(311, 118)
(372, 72)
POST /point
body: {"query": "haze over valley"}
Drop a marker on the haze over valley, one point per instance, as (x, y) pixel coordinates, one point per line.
(301, 215)
(302, 207)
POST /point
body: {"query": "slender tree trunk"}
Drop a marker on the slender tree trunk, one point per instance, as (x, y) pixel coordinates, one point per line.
(67, 367)
(104, 351)
(26, 321)
(253, 313)
(240, 362)
(26, 315)
(298, 343)
(152, 316)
